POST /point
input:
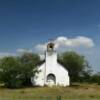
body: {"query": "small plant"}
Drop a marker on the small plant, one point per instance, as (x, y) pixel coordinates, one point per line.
(58, 97)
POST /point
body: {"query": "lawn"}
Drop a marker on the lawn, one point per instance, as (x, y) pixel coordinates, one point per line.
(76, 92)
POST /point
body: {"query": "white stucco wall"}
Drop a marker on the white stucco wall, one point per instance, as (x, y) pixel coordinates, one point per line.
(51, 66)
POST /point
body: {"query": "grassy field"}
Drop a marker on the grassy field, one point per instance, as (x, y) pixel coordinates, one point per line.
(78, 92)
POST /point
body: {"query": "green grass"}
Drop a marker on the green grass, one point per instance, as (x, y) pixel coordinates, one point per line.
(78, 92)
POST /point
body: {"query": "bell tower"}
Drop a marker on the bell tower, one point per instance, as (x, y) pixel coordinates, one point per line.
(50, 63)
(50, 47)
(51, 55)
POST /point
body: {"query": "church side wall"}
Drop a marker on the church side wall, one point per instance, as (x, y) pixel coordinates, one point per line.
(38, 80)
(62, 76)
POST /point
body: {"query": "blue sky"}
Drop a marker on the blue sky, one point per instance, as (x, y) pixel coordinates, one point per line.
(26, 23)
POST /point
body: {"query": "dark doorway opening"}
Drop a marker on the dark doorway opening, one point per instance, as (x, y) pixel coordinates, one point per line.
(51, 79)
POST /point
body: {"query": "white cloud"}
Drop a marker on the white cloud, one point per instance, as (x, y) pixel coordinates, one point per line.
(68, 42)
(21, 50)
(41, 47)
(5, 54)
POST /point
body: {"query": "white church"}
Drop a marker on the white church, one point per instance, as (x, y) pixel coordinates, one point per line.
(51, 73)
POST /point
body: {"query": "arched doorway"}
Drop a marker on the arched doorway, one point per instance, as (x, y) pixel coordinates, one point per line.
(51, 79)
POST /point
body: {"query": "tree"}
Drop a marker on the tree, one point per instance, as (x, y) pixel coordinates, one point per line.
(76, 65)
(10, 72)
(16, 72)
(28, 61)
(95, 78)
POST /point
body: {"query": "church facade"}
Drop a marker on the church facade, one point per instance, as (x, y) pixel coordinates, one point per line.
(51, 72)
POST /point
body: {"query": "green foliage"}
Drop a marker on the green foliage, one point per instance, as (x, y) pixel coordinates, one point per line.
(16, 72)
(75, 64)
(95, 78)
(10, 71)
(28, 62)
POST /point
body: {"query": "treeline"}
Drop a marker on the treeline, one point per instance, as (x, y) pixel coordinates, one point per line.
(16, 72)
